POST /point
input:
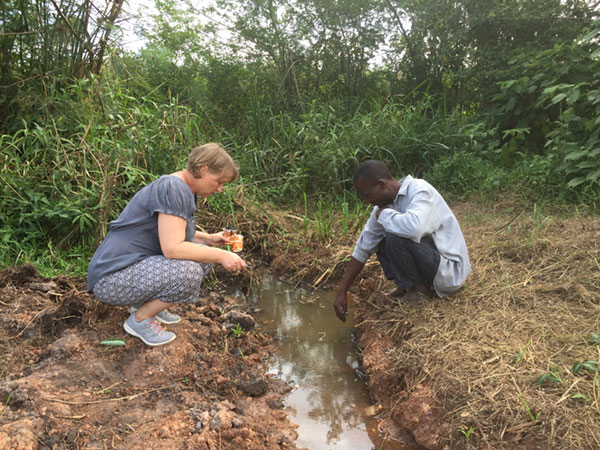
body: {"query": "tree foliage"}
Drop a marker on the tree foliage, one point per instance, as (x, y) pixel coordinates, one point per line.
(553, 109)
(42, 41)
(461, 49)
(520, 75)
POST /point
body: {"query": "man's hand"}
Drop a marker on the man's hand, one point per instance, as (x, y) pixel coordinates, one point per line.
(341, 306)
(379, 209)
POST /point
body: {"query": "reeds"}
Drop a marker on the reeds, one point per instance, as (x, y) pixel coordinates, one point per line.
(66, 175)
(319, 151)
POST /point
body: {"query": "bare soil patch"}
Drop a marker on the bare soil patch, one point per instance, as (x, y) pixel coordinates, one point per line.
(60, 388)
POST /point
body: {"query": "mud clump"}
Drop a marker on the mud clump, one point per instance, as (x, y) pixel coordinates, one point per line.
(62, 389)
(236, 318)
(252, 385)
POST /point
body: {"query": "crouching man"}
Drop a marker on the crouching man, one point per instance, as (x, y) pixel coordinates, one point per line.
(416, 236)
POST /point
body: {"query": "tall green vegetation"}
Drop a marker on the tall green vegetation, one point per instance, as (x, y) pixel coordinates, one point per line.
(65, 175)
(46, 43)
(478, 97)
(552, 109)
(462, 48)
(285, 71)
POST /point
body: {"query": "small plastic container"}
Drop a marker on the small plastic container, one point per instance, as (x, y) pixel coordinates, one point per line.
(228, 232)
(237, 242)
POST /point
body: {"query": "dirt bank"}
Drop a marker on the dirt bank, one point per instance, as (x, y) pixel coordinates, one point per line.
(510, 361)
(60, 388)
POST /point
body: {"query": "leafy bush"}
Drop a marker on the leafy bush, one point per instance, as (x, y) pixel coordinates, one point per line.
(553, 110)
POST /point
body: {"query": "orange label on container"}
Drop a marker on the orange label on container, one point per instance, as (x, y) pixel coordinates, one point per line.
(228, 232)
(237, 242)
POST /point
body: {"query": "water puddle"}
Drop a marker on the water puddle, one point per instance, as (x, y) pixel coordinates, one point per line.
(318, 356)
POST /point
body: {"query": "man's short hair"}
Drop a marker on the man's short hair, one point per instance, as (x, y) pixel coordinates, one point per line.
(372, 170)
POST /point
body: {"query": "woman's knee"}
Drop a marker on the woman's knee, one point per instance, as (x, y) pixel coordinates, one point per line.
(190, 272)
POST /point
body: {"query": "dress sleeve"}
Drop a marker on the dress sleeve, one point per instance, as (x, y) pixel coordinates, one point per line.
(170, 195)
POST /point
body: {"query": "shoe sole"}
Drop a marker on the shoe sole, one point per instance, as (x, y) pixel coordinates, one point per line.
(132, 332)
(165, 322)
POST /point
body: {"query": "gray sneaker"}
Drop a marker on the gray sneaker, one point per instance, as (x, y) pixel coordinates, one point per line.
(148, 330)
(163, 317)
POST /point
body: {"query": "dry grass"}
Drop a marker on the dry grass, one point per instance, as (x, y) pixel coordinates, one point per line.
(290, 242)
(528, 309)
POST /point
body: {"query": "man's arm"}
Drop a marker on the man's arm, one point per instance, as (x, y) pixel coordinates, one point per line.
(367, 243)
(341, 300)
(421, 217)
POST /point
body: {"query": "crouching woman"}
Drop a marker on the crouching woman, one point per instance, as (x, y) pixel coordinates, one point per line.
(153, 257)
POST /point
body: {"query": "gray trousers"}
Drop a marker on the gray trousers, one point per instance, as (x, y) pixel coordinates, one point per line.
(408, 263)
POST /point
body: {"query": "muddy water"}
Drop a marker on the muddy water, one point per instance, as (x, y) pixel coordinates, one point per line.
(318, 357)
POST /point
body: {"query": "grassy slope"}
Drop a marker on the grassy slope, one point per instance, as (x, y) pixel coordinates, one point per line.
(528, 310)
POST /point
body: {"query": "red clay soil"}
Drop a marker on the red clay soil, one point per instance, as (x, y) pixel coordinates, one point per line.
(418, 412)
(61, 389)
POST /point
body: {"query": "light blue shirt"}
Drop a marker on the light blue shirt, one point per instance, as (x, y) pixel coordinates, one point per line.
(417, 211)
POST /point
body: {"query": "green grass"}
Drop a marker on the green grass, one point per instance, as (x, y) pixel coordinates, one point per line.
(64, 176)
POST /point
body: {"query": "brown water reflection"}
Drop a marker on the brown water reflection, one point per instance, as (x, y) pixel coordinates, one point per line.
(318, 356)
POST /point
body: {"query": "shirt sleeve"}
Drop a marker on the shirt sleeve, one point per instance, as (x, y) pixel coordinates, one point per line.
(419, 219)
(170, 195)
(370, 237)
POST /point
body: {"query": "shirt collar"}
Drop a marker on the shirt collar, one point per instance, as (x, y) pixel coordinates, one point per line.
(404, 185)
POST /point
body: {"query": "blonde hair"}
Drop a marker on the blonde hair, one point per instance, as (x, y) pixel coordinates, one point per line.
(215, 157)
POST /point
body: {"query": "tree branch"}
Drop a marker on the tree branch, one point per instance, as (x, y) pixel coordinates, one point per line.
(409, 46)
(64, 18)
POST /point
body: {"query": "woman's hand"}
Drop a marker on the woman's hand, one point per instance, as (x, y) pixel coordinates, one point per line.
(214, 239)
(232, 262)
(217, 239)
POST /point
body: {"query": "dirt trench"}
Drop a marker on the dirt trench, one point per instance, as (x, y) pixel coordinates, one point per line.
(464, 364)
